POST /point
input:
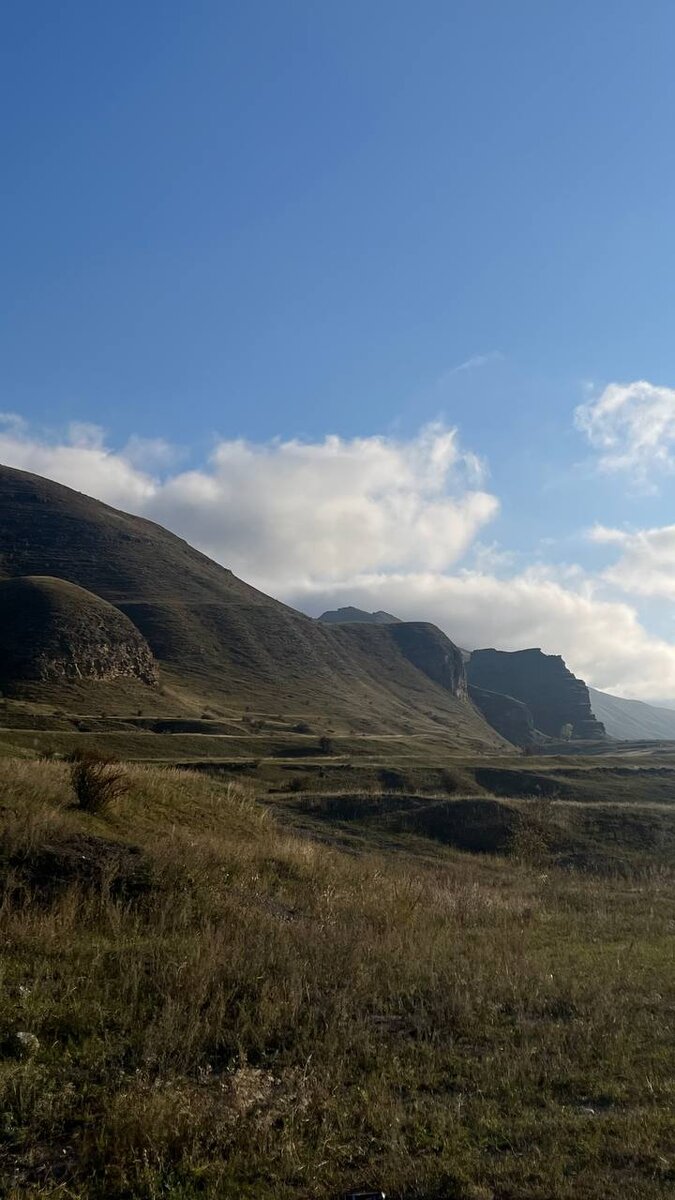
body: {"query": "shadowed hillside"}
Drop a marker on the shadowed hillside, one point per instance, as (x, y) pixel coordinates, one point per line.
(54, 631)
(218, 639)
(553, 695)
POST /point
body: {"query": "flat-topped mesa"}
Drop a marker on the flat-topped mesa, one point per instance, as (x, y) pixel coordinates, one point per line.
(555, 697)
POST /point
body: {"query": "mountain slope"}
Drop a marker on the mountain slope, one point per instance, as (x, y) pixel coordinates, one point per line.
(629, 720)
(219, 640)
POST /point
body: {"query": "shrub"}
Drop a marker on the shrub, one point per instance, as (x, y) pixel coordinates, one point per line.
(295, 785)
(97, 782)
(326, 745)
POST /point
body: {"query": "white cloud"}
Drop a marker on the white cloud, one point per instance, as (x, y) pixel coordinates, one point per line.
(80, 460)
(380, 522)
(632, 425)
(646, 565)
(327, 510)
(286, 510)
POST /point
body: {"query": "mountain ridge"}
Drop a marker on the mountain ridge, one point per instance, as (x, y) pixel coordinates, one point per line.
(219, 640)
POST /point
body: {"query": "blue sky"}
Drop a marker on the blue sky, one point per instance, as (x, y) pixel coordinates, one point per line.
(290, 220)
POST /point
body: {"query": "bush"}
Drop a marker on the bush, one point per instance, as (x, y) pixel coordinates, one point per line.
(97, 782)
(295, 785)
(326, 745)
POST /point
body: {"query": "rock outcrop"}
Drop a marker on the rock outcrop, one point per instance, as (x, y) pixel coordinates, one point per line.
(508, 716)
(428, 649)
(51, 630)
(554, 696)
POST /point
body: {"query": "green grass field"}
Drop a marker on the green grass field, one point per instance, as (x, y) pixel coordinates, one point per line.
(208, 996)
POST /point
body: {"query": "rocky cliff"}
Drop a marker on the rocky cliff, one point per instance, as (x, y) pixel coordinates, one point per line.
(427, 648)
(508, 716)
(553, 695)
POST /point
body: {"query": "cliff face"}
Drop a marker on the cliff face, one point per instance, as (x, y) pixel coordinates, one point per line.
(431, 651)
(508, 716)
(554, 696)
(51, 630)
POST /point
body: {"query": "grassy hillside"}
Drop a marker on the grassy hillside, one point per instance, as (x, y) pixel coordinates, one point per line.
(199, 1002)
(219, 641)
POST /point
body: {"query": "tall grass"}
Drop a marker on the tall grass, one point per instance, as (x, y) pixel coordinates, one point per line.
(269, 1017)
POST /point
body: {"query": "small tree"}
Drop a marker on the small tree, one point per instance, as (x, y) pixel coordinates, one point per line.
(97, 782)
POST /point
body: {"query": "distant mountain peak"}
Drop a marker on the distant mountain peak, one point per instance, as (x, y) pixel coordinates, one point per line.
(349, 614)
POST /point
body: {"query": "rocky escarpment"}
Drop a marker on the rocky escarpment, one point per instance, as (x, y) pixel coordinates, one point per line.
(51, 630)
(554, 696)
(508, 716)
(423, 644)
(428, 649)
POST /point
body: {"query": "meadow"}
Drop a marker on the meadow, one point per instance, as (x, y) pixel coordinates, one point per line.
(200, 999)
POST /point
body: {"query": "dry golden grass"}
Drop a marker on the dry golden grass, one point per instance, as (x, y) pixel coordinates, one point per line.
(230, 1010)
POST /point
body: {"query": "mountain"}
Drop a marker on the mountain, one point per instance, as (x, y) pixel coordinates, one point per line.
(553, 695)
(345, 616)
(525, 695)
(631, 720)
(219, 641)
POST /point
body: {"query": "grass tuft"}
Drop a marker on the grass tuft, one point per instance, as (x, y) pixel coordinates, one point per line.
(97, 782)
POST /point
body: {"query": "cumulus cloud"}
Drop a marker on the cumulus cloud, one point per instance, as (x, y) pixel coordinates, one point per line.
(646, 564)
(632, 425)
(79, 459)
(379, 522)
(285, 510)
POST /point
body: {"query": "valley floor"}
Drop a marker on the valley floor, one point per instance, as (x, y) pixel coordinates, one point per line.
(208, 996)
